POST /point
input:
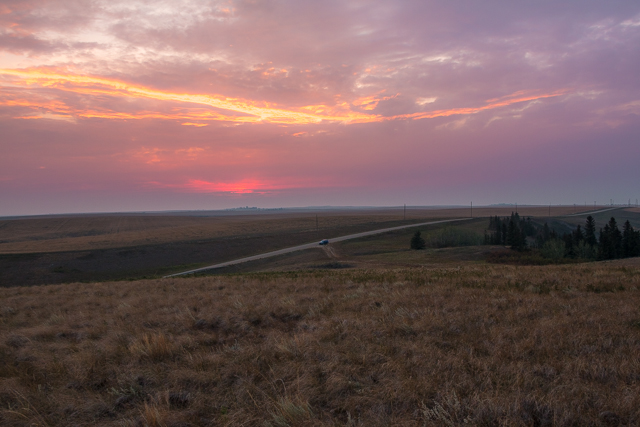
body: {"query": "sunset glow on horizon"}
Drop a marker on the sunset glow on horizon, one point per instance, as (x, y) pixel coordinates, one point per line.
(114, 106)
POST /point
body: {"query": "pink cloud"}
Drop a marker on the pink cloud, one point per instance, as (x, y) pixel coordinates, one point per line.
(317, 102)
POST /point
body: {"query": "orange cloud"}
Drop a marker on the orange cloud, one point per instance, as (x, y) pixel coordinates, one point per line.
(164, 157)
(194, 109)
(194, 124)
(371, 102)
(493, 103)
(250, 111)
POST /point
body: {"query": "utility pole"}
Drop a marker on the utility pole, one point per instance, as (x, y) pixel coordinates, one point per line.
(549, 210)
(471, 209)
(317, 228)
(404, 215)
(516, 208)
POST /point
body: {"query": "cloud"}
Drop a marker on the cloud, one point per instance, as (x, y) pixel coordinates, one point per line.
(225, 109)
(282, 96)
(425, 101)
(165, 157)
(245, 186)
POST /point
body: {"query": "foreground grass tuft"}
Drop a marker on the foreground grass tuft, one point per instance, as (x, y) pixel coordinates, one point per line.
(155, 347)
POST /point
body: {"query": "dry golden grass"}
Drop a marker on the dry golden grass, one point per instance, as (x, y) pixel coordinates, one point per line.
(76, 233)
(479, 345)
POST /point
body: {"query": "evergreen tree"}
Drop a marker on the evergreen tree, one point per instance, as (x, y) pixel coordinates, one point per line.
(503, 237)
(523, 238)
(578, 236)
(528, 227)
(616, 238)
(567, 238)
(590, 231)
(516, 237)
(630, 241)
(497, 236)
(417, 242)
(513, 234)
(605, 250)
(543, 235)
(512, 231)
(634, 246)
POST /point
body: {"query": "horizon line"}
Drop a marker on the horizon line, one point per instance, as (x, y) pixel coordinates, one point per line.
(312, 207)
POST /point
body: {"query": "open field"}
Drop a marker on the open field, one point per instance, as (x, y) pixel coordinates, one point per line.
(154, 245)
(61, 249)
(105, 232)
(361, 332)
(477, 345)
(447, 245)
(384, 251)
(91, 232)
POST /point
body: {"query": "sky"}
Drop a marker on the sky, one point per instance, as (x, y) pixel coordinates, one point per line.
(140, 105)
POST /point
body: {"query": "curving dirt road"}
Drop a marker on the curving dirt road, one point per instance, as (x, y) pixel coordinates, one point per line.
(311, 245)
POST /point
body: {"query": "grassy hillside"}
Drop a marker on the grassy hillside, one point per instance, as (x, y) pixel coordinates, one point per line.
(473, 345)
(60, 250)
(388, 250)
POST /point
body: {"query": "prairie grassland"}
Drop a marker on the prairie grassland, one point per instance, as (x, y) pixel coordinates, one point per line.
(384, 251)
(99, 232)
(477, 345)
(91, 232)
(135, 248)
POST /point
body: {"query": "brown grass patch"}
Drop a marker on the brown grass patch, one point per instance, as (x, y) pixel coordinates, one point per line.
(479, 345)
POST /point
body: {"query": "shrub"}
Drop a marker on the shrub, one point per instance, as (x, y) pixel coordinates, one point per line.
(553, 250)
(454, 236)
(417, 242)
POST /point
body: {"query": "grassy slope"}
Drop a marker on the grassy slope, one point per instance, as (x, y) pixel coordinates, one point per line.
(388, 250)
(120, 259)
(566, 224)
(492, 345)
(63, 249)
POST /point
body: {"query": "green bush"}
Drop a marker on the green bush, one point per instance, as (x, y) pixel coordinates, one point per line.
(584, 251)
(553, 249)
(454, 236)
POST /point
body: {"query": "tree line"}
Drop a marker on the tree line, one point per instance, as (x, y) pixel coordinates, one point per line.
(510, 231)
(585, 243)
